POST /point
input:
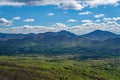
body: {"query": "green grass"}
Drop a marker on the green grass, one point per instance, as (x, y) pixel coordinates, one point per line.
(40, 67)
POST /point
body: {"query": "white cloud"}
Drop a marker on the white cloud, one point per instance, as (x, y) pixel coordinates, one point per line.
(5, 22)
(29, 20)
(72, 20)
(71, 4)
(79, 29)
(16, 18)
(11, 3)
(85, 13)
(99, 15)
(64, 4)
(59, 26)
(35, 29)
(87, 21)
(111, 19)
(98, 20)
(107, 19)
(88, 27)
(26, 27)
(116, 18)
(50, 14)
(94, 3)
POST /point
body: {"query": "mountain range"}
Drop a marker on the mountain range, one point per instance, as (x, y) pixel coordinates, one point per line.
(96, 43)
(95, 35)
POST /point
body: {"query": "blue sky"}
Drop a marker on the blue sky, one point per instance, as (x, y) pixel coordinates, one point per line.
(77, 16)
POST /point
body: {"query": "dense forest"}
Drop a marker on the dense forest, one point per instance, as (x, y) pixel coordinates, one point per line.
(64, 67)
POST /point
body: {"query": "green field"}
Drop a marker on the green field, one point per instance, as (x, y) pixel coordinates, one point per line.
(63, 67)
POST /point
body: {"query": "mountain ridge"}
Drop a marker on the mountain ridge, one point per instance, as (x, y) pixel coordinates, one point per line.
(100, 35)
(94, 35)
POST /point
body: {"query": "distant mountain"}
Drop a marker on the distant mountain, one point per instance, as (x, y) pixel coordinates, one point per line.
(113, 43)
(100, 35)
(52, 37)
(63, 32)
(49, 42)
(7, 36)
(62, 42)
(67, 33)
(95, 35)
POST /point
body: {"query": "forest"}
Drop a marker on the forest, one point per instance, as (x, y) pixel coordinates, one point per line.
(62, 67)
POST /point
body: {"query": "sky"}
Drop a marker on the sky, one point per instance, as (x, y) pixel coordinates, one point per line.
(77, 16)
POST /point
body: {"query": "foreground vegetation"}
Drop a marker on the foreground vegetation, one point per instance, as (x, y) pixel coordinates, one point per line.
(64, 67)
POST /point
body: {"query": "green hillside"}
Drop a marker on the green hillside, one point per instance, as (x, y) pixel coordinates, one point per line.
(64, 67)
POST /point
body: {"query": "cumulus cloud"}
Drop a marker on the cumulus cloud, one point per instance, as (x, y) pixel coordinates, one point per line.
(111, 19)
(50, 14)
(79, 29)
(108, 24)
(107, 19)
(11, 3)
(94, 3)
(29, 20)
(99, 15)
(35, 29)
(64, 4)
(59, 26)
(5, 22)
(88, 27)
(71, 4)
(72, 20)
(116, 18)
(86, 21)
(98, 20)
(16, 18)
(85, 13)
